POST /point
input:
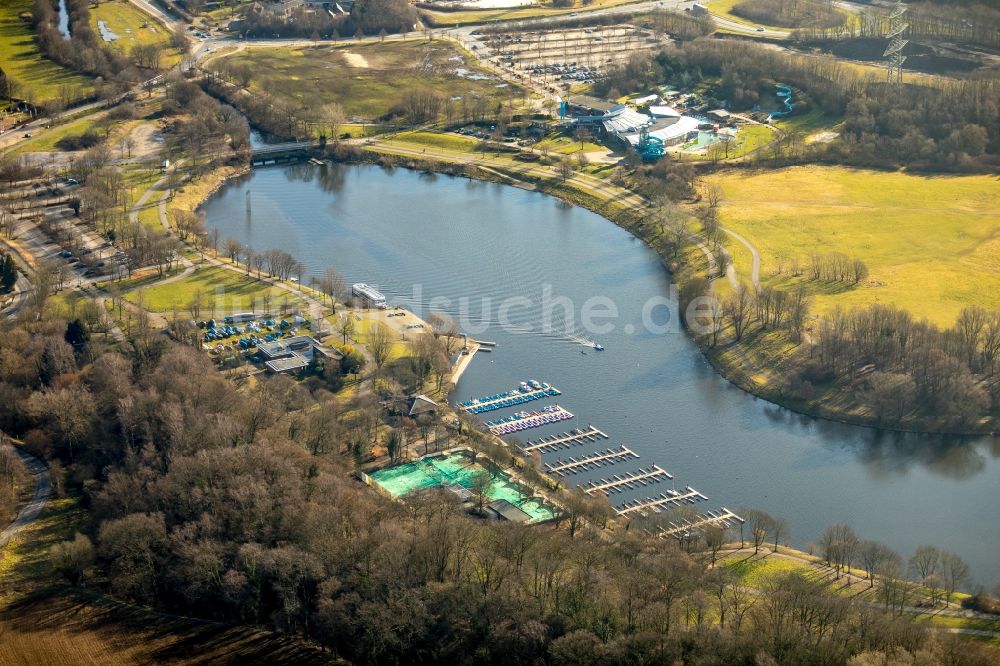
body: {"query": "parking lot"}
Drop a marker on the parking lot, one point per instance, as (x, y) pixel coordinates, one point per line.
(48, 227)
(242, 335)
(561, 58)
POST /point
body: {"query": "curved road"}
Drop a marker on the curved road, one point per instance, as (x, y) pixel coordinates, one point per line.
(43, 490)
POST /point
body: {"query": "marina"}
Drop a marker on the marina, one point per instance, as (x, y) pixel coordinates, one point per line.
(564, 440)
(614, 484)
(526, 420)
(527, 392)
(593, 461)
(620, 482)
(669, 498)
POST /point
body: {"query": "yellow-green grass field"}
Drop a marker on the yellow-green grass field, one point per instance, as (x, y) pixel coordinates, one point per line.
(133, 27)
(725, 8)
(20, 58)
(368, 79)
(807, 123)
(46, 140)
(363, 329)
(565, 145)
(441, 141)
(932, 244)
(221, 289)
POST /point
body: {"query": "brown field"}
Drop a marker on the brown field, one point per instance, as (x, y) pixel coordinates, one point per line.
(368, 79)
(66, 627)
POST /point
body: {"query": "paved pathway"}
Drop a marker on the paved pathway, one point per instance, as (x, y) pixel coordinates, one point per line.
(755, 273)
(43, 490)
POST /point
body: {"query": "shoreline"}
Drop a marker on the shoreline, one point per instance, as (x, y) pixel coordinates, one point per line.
(463, 363)
(371, 155)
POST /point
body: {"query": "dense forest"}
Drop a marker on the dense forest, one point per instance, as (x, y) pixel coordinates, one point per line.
(949, 127)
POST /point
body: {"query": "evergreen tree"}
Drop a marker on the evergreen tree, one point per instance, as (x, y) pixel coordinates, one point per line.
(77, 334)
(8, 273)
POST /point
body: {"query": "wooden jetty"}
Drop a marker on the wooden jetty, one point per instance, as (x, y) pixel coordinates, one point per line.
(565, 440)
(654, 504)
(722, 518)
(593, 461)
(621, 482)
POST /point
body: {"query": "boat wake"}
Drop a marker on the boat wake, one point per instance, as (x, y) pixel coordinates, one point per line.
(585, 342)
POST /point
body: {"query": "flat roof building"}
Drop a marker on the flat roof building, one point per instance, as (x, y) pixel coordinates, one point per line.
(294, 354)
(287, 365)
(508, 511)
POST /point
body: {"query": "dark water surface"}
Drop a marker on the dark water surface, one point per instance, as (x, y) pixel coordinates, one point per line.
(419, 237)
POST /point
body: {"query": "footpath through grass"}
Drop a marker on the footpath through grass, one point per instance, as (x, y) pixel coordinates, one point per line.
(932, 244)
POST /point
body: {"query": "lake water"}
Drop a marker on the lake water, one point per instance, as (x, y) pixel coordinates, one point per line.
(420, 237)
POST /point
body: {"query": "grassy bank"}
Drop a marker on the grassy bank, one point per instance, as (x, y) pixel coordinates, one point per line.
(40, 78)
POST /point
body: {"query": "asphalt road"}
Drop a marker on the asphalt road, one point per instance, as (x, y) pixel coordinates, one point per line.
(43, 490)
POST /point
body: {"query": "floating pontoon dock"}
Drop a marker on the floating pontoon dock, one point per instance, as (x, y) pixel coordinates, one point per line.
(510, 398)
(725, 518)
(619, 483)
(593, 461)
(565, 440)
(669, 498)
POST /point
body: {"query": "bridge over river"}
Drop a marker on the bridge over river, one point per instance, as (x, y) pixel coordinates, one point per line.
(283, 152)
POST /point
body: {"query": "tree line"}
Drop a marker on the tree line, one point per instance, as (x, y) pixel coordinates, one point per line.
(236, 504)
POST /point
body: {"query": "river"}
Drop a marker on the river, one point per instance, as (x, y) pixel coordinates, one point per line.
(64, 19)
(419, 237)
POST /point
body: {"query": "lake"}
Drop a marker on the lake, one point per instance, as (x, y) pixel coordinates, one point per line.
(510, 264)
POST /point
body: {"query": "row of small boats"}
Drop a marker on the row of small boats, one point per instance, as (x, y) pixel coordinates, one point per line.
(525, 420)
